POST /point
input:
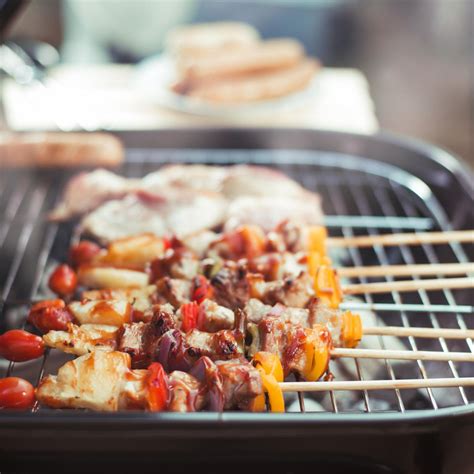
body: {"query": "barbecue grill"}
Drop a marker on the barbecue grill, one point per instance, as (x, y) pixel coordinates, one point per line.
(369, 185)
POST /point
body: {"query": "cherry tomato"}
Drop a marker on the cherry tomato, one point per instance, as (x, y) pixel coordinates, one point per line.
(189, 312)
(50, 315)
(16, 393)
(202, 289)
(83, 252)
(158, 389)
(18, 345)
(63, 280)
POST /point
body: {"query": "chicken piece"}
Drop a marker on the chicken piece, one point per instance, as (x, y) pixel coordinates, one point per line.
(255, 311)
(97, 381)
(141, 299)
(222, 345)
(86, 191)
(131, 341)
(186, 393)
(249, 180)
(321, 314)
(199, 242)
(174, 212)
(269, 211)
(276, 266)
(241, 383)
(231, 288)
(272, 335)
(80, 340)
(174, 291)
(175, 263)
(93, 276)
(109, 312)
(197, 177)
(293, 292)
(213, 317)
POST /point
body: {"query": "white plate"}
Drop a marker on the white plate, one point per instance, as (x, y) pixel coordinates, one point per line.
(155, 76)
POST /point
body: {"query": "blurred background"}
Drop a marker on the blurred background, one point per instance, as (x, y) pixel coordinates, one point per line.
(417, 55)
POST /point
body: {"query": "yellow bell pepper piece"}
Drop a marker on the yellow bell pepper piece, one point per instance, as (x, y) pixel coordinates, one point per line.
(327, 287)
(317, 236)
(270, 363)
(317, 351)
(271, 371)
(351, 329)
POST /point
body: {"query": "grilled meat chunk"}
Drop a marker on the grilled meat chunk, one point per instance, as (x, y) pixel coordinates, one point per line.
(187, 394)
(80, 340)
(295, 292)
(256, 311)
(231, 288)
(87, 191)
(221, 345)
(109, 312)
(213, 317)
(175, 263)
(241, 383)
(98, 381)
(131, 341)
(174, 291)
(141, 299)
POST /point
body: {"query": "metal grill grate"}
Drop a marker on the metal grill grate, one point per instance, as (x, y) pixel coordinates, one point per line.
(350, 187)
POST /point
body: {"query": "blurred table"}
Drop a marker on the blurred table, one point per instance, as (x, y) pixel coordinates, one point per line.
(104, 97)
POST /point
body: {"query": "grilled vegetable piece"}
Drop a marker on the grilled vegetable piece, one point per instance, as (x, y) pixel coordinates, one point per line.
(134, 252)
(109, 312)
(63, 280)
(157, 387)
(208, 374)
(83, 252)
(16, 393)
(50, 315)
(80, 340)
(101, 380)
(96, 276)
(19, 346)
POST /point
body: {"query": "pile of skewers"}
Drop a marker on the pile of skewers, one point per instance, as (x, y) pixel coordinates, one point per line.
(215, 321)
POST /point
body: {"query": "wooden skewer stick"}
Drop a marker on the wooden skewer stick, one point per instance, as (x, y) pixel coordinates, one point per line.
(376, 384)
(402, 239)
(409, 285)
(419, 332)
(407, 270)
(402, 355)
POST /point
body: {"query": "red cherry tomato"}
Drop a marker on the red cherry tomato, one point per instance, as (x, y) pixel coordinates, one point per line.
(18, 345)
(158, 389)
(189, 313)
(83, 252)
(16, 393)
(63, 280)
(202, 289)
(50, 315)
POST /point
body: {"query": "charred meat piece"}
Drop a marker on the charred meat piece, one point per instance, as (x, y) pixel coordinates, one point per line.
(241, 383)
(176, 263)
(131, 341)
(186, 393)
(174, 291)
(231, 288)
(272, 335)
(295, 292)
(222, 345)
(213, 317)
